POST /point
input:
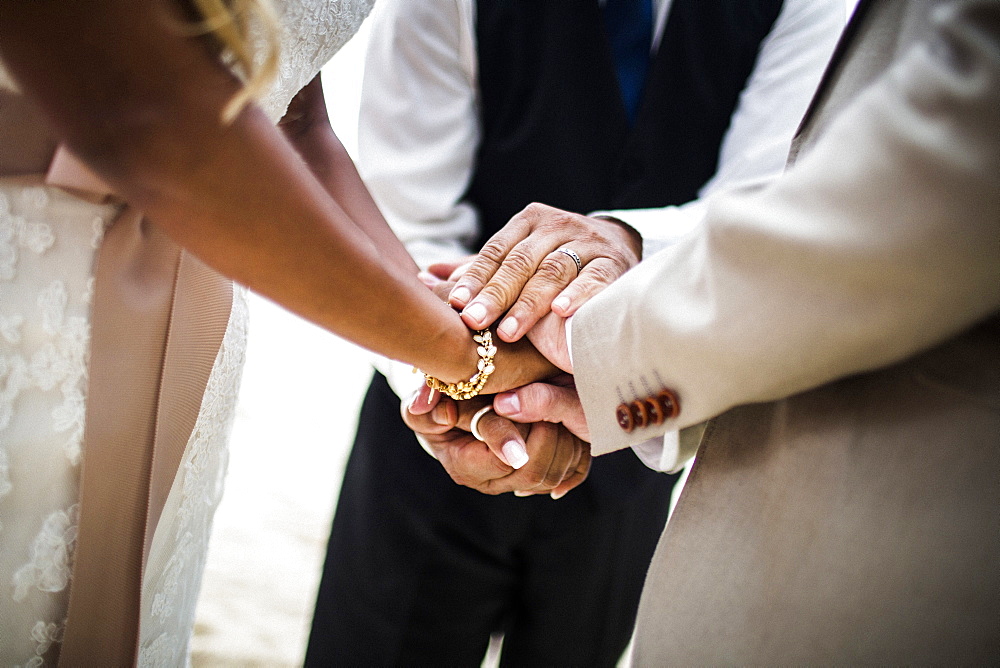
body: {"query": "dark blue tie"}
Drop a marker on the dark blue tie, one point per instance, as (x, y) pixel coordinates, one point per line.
(629, 25)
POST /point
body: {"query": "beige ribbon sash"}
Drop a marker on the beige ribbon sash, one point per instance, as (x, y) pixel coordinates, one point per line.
(159, 316)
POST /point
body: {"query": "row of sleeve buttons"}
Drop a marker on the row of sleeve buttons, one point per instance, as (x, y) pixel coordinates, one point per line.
(652, 410)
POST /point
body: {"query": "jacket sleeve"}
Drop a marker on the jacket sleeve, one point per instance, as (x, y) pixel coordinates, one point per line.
(882, 241)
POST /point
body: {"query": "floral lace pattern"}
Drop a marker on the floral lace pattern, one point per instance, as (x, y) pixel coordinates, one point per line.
(46, 267)
(51, 555)
(17, 232)
(314, 30)
(163, 652)
(44, 636)
(62, 363)
(55, 358)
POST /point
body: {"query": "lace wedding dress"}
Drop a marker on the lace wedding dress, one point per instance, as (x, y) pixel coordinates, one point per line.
(48, 242)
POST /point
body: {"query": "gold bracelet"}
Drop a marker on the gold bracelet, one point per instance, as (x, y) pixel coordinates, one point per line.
(466, 389)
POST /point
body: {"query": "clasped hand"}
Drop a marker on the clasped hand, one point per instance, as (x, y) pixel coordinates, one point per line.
(530, 457)
(535, 441)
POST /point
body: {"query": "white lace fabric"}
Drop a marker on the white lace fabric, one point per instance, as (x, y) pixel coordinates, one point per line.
(47, 248)
(314, 30)
(48, 242)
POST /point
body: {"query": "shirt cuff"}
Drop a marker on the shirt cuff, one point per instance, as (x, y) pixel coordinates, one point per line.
(660, 227)
(660, 453)
(568, 325)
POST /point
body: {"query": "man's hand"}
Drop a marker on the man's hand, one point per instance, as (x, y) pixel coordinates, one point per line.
(550, 459)
(554, 401)
(522, 269)
(519, 362)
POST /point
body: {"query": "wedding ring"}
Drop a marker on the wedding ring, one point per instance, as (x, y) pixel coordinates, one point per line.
(474, 425)
(573, 256)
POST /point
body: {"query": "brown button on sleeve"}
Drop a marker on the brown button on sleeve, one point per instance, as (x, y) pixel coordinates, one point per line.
(655, 409)
(649, 411)
(640, 413)
(668, 401)
(624, 417)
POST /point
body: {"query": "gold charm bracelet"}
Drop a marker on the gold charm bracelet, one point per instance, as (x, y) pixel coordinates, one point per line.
(466, 389)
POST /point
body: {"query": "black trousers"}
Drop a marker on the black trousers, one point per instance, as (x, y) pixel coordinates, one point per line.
(420, 571)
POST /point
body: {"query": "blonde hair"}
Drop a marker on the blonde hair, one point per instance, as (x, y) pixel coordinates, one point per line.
(233, 23)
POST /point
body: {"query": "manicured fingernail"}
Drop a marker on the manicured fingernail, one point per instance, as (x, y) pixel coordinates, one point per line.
(561, 303)
(515, 453)
(557, 495)
(428, 279)
(414, 400)
(461, 295)
(420, 401)
(475, 311)
(507, 403)
(508, 327)
(522, 494)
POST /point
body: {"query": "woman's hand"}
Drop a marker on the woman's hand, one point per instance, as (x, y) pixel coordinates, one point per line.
(517, 363)
(523, 269)
(525, 459)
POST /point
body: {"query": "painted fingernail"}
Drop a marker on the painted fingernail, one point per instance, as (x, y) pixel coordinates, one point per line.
(515, 453)
(475, 311)
(557, 495)
(461, 295)
(561, 303)
(508, 327)
(414, 400)
(507, 403)
(521, 494)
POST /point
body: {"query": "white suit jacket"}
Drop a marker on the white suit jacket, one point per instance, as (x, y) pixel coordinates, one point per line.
(842, 324)
(883, 240)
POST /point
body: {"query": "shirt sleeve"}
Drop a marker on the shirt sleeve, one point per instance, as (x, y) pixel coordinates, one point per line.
(418, 131)
(418, 126)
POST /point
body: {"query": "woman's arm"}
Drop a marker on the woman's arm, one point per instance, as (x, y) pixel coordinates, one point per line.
(307, 126)
(141, 104)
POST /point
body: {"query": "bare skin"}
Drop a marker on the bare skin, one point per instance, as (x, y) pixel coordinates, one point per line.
(281, 211)
(558, 460)
(521, 275)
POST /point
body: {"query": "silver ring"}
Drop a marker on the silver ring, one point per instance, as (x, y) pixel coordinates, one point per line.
(573, 256)
(474, 425)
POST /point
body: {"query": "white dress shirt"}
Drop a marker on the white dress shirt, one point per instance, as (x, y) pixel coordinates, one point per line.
(419, 125)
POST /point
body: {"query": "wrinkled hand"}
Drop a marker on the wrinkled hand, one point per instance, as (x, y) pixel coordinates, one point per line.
(518, 363)
(553, 401)
(520, 268)
(440, 277)
(557, 461)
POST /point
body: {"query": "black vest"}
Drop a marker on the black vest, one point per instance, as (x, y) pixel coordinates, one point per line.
(554, 128)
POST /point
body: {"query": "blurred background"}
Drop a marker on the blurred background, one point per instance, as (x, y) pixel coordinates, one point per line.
(302, 388)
